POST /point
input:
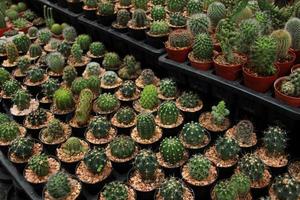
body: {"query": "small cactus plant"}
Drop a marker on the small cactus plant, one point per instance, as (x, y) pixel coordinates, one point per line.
(145, 125)
(168, 113)
(203, 47)
(69, 34)
(21, 99)
(84, 40)
(125, 115)
(69, 75)
(198, 23)
(140, 4)
(216, 11)
(95, 160)
(109, 78)
(227, 148)
(77, 53)
(22, 43)
(97, 49)
(23, 63)
(146, 164)
(193, 7)
(293, 26)
(54, 130)
(243, 130)
(58, 185)
(128, 89)
(147, 76)
(284, 41)
(223, 190)
(39, 165)
(241, 183)
(100, 127)
(22, 147)
(8, 131)
(168, 88)
(35, 50)
(172, 150)
(63, 99)
(93, 83)
(49, 87)
(252, 167)
(92, 68)
(107, 102)
(4, 76)
(175, 5)
(180, 38)
(172, 189)
(123, 17)
(139, 18)
(106, 8)
(122, 147)
(115, 190)
(64, 48)
(37, 117)
(4, 118)
(36, 74)
(189, 99)
(149, 97)
(286, 187)
(177, 19)
(90, 3)
(44, 36)
(275, 140)
(11, 52)
(111, 61)
(10, 87)
(84, 107)
(72, 146)
(193, 133)
(56, 62)
(158, 13)
(291, 86)
(78, 85)
(159, 28)
(198, 167)
(219, 113)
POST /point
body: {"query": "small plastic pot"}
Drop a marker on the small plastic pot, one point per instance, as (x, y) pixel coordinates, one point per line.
(156, 41)
(285, 67)
(290, 100)
(122, 167)
(177, 54)
(199, 64)
(106, 20)
(74, 6)
(138, 34)
(89, 13)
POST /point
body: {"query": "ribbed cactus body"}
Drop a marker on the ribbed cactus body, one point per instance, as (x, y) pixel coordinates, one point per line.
(198, 23)
(145, 125)
(72, 146)
(69, 33)
(37, 117)
(22, 147)
(128, 89)
(11, 86)
(189, 99)
(168, 113)
(223, 190)
(109, 78)
(172, 189)
(203, 47)
(111, 61)
(63, 99)
(84, 107)
(175, 5)
(123, 17)
(125, 115)
(11, 52)
(122, 147)
(39, 165)
(8, 131)
(180, 38)
(193, 133)
(93, 83)
(139, 18)
(149, 97)
(91, 3)
(54, 130)
(158, 13)
(275, 140)
(84, 40)
(199, 167)
(227, 148)
(244, 130)
(44, 36)
(97, 48)
(140, 4)
(193, 7)
(147, 76)
(115, 190)
(219, 113)
(49, 87)
(95, 160)
(168, 87)
(252, 166)
(242, 183)
(107, 102)
(171, 150)
(77, 52)
(177, 19)
(100, 127)
(125, 2)
(33, 32)
(21, 99)
(58, 185)
(216, 11)
(146, 164)
(35, 50)
(56, 62)
(22, 43)
(250, 29)
(286, 188)
(36, 74)
(78, 85)
(283, 41)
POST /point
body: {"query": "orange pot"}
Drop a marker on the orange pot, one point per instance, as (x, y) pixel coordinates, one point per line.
(292, 101)
(199, 65)
(285, 67)
(177, 54)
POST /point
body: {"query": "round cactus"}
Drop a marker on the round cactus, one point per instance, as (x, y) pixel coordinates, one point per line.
(172, 189)
(198, 167)
(146, 164)
(109, 78)
(100, 127)
(35, 74)
(49, 87)
(106, 8)
(149, 97)
(125, 3)
(63, 99)
(90, 3)
(193, 133)
(284, 41)
(115, 190)
(37, 117)
(21, 99)
(8, 131)
(252, 166)
(145, 125)
(171, 150)
(275, 140)
(193, 7)
(139, 18)
(203, 47)
(189, 99)
(84, 41)
(241, 183)
(4, 118)
(54, 130)
(293, 27)
(95, 160)
(122, 147)
(11, 52)
(168, 113)
(64, 48)
(147, 76)
(227, 148)
(39, 164)
(175, 5)
(159, 28)
(223, 190)
(69, 34)
(198, 23)
(4, 76)
(140, 4)
(177, 19)
(125, 115)
(23, 63)
(56, 62)
(158, 13)
(128, 89)
(78, 85)
(69, 75)
(216, 11)
(123, 17)
(180, 38)
(97, 49)
(22, 43)
(93, 83)
(72, 146)
(167, 87)
(58, 185)
(286, 187)
(35, 50)
(56, 29)
(22, 147)
(11, 86)
(33, 32)
(244, 130)
(219, 113)
(111, 61)
(44, 36)
(107, 102)
(93, 68)
(2, 47)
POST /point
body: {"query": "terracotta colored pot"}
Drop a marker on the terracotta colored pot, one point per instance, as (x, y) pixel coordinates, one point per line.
(292, 101)
(198, 64)
(258, 83)
(3, 30)
(297, 52)
(285, 67)
(177, 54)
(295, 67)
(228, 72)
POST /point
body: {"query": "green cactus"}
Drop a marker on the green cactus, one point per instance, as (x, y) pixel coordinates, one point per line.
(69, 34)
(22, 43)
(37, 117)
(107, 102)
(158, 2)
(275, 140)
(193, 7)
(2, 47)
(106, 8)
(216, 11)
(78, 85)
(286, 188)
(48, 16)
(58, 185)
(122, 147)
(39, 165)
(145, 125)
(252, 167)
(223, 190)
(11, 86)
(22, 147)
(171, 150)
(8, 130)
(159, 28)
(56, 62)
(125, 115)
(123, 17)
(72, 146)
(198, 23)
(147, 76)
(180, 38)
(97, 49)
(95, 160)
(90, 3)
(291, 86)
(109, 78)
(177, 19)
(284, 41)
(193, 133)
(44, 36)
(4, 76)
(199, 167)
(4, 118)
(128, 89)
(168, 113)
(77, 53)
(2, 20)
(140, 4)
(84, 107)
(33, 32)
(84, 40)
(93, 69)
(11, 52)
(149, 97)
(129, 67)
(29, 15)
(219, 113)
(125, 3)
(35, 50)
(11, 14)
(115, 191)
(176, 5)
(167, 87)
(56, 29)
(35, 74)
(69, 75)
(20, 23)
(172, 189)
(203, 47)
(158, 13)
(146, 164)
(111, 61)
(139, 18)
(21, 99)
(244, 130)
(93, 83)
(227, 148)
(54, 43)
(241, 183)
(64, 48)
(287, 88)
(23, 64)
(54, 130)
(63, 99)
(100, 127)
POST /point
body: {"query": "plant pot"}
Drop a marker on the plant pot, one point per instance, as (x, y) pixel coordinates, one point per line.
(285, 67)
(177, 54)
(173, 129)
(258, 83)
(89, 13)
(74, 6)
(62, 3)
(295, 67)
(119, 28)
(137, 33)
(156, 41)
(202, 65)
(106, 20)
(229, 71)
(24, 29)
(3, 30)
(290, 100)
(297, 53)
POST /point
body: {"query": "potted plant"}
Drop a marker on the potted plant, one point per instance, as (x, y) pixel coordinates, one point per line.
(242, 184)
(106, 12)
(124, 118)
(106, 104)
(110, 80)
(9, 131)
(48, 89)
(93, 69)
(128, 92)
(84, 40)
(123, 17)
(34, 79)
(3, 25)
(216, 120)
(158, 33)
(33, 33)
(189, 103)
(35, 51)
(287, 89)
(130, 68)
(158, 13)
(23, 64)
(111, 61)
(56, 63)
(52, 45)
(9, 88)
(96, 51)
(69, 75)
(198, 23)
(201, 55)
(292, 26)
(77, 59)
(21, 24)
(2, 49)
(179, 45)
(175, 6)
(284, 187)
(22, 43)
(63, 102)
(147, 77)
(223, 189)
(12, 54)
(69, 34)
(75, 5)
(177, 20)
(94, 169)
(124, 5)
(215, 12)
(138, 24)
(90, 8)
(167, 89)
(100, 131)
(123, 191)
(293, 169)
(261, 72)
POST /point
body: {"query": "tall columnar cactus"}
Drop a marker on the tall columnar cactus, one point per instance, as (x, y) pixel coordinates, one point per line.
(37, 117)
(109, 78)
(97, 48)
(63, 99)
(145, 125)
(125, 115)
(123, 17)
(227, 148)
(58, 185)
(172, 189)
(175, 5)
(44, 36)
(203, 47)
(286, 187)
(78, 85)
(111, 61)
(69, 75)
(49, 87)
(275, 140)
(216, 11)
(69, 33)
(283, 41)
(199, 167)
(84, 107)
(22, 147)
(193, 133)
(139, 18)
(293, 27)
(241, 183)
(39, 164)
(146, 164)
(8, 131)
(22, 43)
(198, 23)
(84, 40)
(56, 62)
(193, 7)
(100, 127)
(11, 86)
(158, 13)
(180, 38)
(77, 53)
(107, 102)
(177, 19)
(36, 74)
(244, 130)
(223, 190)
(48, 15)
(115, 190)
(95, 160)
(140, 4)
(11, 52)
(252, 166)
(219, 113)
(168, 87)
(54, 130)
(249, 30)
(35, 50)
(168, 113)
(149, 97)
(72, 146)
(122, 147)
(21, 99)
(171, 150)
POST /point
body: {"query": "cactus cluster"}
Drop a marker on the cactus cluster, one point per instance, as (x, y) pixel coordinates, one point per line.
(172, 188)
(69, 75)
(111, 61)
(140, 4)
(84, 107)
(72, 146)
(203, 47)
(145, 125)
(8, 130)
(91, 3)
(199, 166)
(172, 150)
(37, 117)
(122, 147)
(11, 86)
(39, 164)
(252, 167)
(168, 87)
(158, 13)
(107, 102)
(22, 147)
(249, 30)
(21, 99)
(93, 83)
(180, 38)
(227, 148)
(63, 99)
(56, 62)
(64, 48)
(219, 113)
(198, 23)
(58, 185)
(243, 131)
(275, 140)
(216, 11)
(125, 115)
(146, 164)
(193, 133)
(115, 190)
(95, 160)
(168, 113)
(97, 49)
(291, 86)
(100, 127)
(129, 67)
(22, 43)
(149, 97)
(35, 74)
(286, 187)
(128, 89)
(23, 64)
(159, 28)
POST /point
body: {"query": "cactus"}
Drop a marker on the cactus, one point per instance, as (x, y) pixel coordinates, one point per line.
(172, 189)
(54, 44)
(23, 64)
(56, 29)
(109, 78)
(129, 67)
(263, 55)
(177, 19)
(123, 17)
(284, 41)
(106, 8)
(219, 113)
(100, 127)
(35, 50)
(198, 23)
(22, 43)
(72, 146)
(4, 76)
(145, 125)
(168, 88)
(4, 118)
(29, 15)
(2, 20)
(140, 4)
(216, 11)
(275, 140)
(69, 75)
(48, 16)
(11, 52)
(146, 164)
(107, 102)
(159, 28)
(11, 14)
(37, 117)
(54, 130)
(77, 53)
(97, 49)
(44, 36)
(147, 76)
(149, 97)
(63, 99)
(158, 2)
(93, 83)
(20, 23)
(93, 69)
(84, 41)
(21, 99)
(69, 34)
(58, 185)
(8, 130)
(39, 164)
(128, 89)
(33, 32)
(22, 147)
(115, 191)
(171, 150)
(203, 47)
(35, 74)
(244, 130)
(11, 86)
(158, 13)
(2, 47)
(95, 160)
(122, 147)
(286, 188)
(252, 167)
(291, 86)
(227, 148)
(193, 7)
(189, 99)
(223, 190)
(78, 85)
(111, 61)
(139, 18)
(241, 183)
(64, 48)
(199, 167)
(56, 62)
(90, 3)
(288, 88)
(293, 27)
(168, 113)
(84, 107)
(125, 3)
(175, 5)
(193, 133)
(180, 38)
(125, 115)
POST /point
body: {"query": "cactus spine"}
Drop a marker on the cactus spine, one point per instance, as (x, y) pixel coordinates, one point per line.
(168, 113)
(145, 125)
(39, 164)
(171, 150)
(146, 164)
(82, 113)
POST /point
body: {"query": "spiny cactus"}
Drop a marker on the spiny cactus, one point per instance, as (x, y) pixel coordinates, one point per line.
(147, 76)
(123, 17)
(63, 99)
(4, 118)
(128, 89)
(198, 23)
(146, 164)
(193, 133)
(115, 191)
(11, 86)
(39, 164)
(72, 146)
(139, 18)
(286, 188)
(77, 53)
(100, 127)
(33, 32)
(227, 148)
(252, 166)
(93, 83)
(109, 78)
(92, 68)
(56, 62)
(293, 27)
(180, 38)
(168, 113)
(64, 48)
(149, 97)
(241, 183)
(58, 185)
(37, 117)
(284, 41)
(8, 130)
(249, 30)
(97, 48)
(111, 61)
(21, 99)
(140, 4)
(107, 102)
(49, 87)
(106, 8)
(168, 87)
(54, 130)
(22, 147)
(69, 75)
(90, 3)
(125, 3)
(2, 47)
(158, 13)
(78, 85)
(219, 113)
(11, 52)
(244, 130)
(216, 11)
(275, 140)
(35, 74)
(95, 160)
(223, 190)
(177, 19)
(172, 189)
(129, 67)
(171, 150)
(203, 47)
(69, 33)
(44, 35)
(198, 167)
(4, 76)
(122, 147)
(56, 29)
(145, 125)
(125, 115)
(291, 86)
(175, 5)
(22, 43)
(84, 107)
(35, 50)
(84, 40)
(2, 20)
(193, 7)
(23, 63)
(159, 28)
(189, 99)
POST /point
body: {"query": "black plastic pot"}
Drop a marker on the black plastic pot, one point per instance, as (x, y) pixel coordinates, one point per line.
(69, 167)
(172, 171)
(75, 6)
(259, 192)
(78, 131)
(122, 167)
(95, 188)
(226, 172)
(138, 34)
(157, 42)
(106, 20)
(18, 119)
(64, 117)
(34, 90)
(89, 14)
(275, 171)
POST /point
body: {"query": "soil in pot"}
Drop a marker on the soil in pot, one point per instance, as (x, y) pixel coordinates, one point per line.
(77, 130)
(294, 170)
(80, 67)
(199, 64)
(89, 136)
(190, 114)
(285, 65)
(19, 115)
(4, 145)
(198, 148)
(172, 129)
(246, 147)
(187, 195)
(290, 100)
(131, 194)
(63, 115)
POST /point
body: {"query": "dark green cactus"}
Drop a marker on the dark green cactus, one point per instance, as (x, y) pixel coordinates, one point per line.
(140, 4)
(93, 83)
(198, 23)
(11, 86)
(54, 130)
(149, 97)
(11, 52)
(227, 148)
(125, 3)
(33, 32)
(77, 52)
(216, 11)
(8, 130)
(122, 147)
(63, 99)
(123, 17)
(203, 47)
(283, 41)
(168, 87)
(100, 127)
(44, 36)
(193, 7)
(35, 50)
(97, 48)
(171, 150)
(180, 38)
(244, 130)
(58, 185)
(4, 76)
(168, 113)
(219, 113)
(275, 140)
(128, 89)
(111, 61)
(69, 33)
(159, 28)
(106, 8)
(125, 115)
(23, 63)
(115, 191)
(69, 75)
(21, 99)
(146, 164)
(39, 165)
(147, 76)
(293, 27)
(22, 43)
(189, 99)
(172, 189)
(49, 87)
(95, 160)
(193, 133)
(84, 40)
(177, 19)
(223, 190)
(109, 78)
(22, 147)
(175, 5)
(78, 85)
(37, 117)
(286, 188)
(4, 118)
(241, 183)
(158, 13)
(145, 125)
(199, 167)
(56, 62)
(139, 18)
(72, 146)
(64, 48)
(90, 3)
(107, 102)
(84, 107)
(252, 167)
(2, 47)
(36, 74)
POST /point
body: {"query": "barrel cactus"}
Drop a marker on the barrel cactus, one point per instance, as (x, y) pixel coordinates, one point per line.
(36, 74)
(22, 147)
(84, 40)
(90, 3)
(23, 63)
(193, 7)
(244, 130)
(72, 146)
(198, 23)
(146, 164)
(175, 5)
(8, 131)
(284, 41)
(291, 86)
(145, 125)
(177, 19)
(49, 87)
(227, 148)
(44, 36)
(139, 18)
(106, 8)
(147, 76)
(216, 11)
(10, 87)
(193, 133)
(241, 183)
(107, 102)
(223, 190)
(69, 75)
(77, 53)
(115, 190)
(93, 83)
(35, 50)
(92, 68)
(11, 52)
(128, 89)
(37, 117)
(122, 147)
(140, 4)
(95, 160)
(21, 99)
(56, 62)
(63, 99)
(158, 13)
(39, 164)
(293, 27)
(64, 48)
(58, 185)
(149, 97)
(168, 87)
(275, 140)
(286, 187)
(22, 43)
(172, 150)
(171, 189)
(203, 47)
(78, 85)
(123, 17)
(109, 78)
(252, 166)
(54, 130)
(69, 34)
(4, 76)
(111, 61)
(199, 167)
(125, 115)
(100, 127)
(168, 113)
(97, 49)
(189, 99)
(219, 113)
(4, 118)
(159, 28)
(180, 38)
